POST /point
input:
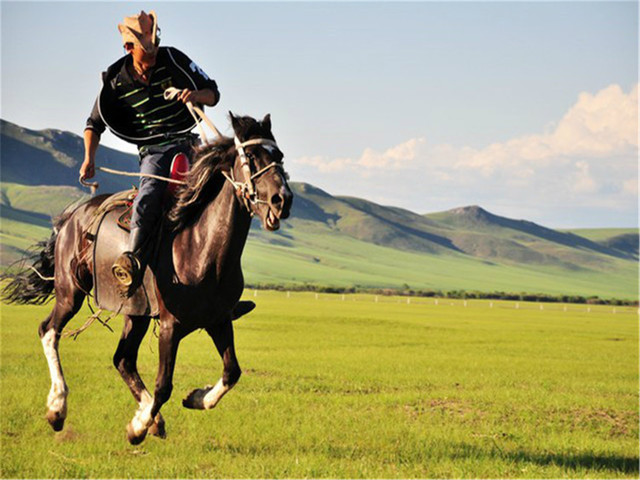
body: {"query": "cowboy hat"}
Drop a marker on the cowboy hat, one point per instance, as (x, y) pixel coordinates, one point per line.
(141, 30)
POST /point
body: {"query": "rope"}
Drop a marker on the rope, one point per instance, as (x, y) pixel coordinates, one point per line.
(90, 320)
(46, 279)
(171, 93)
(148, 175)
(92, 185)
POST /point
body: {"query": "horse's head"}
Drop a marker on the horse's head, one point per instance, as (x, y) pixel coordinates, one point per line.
(259, 171)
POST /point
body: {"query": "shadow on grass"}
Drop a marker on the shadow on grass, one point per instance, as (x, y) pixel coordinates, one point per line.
(566, 460)
(589, 461)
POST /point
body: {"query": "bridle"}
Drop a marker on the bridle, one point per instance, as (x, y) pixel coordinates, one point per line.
(246, 190)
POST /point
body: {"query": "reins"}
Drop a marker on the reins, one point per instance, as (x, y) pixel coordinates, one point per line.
(171, 93)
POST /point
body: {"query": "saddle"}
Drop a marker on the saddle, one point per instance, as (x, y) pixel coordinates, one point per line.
(110, 239)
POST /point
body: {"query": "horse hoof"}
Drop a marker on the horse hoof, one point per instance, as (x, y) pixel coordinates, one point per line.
(195, 399)
(135, 439)
(56, 420)
(158, 428)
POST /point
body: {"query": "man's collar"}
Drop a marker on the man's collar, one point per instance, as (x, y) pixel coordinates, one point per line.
(125, 76)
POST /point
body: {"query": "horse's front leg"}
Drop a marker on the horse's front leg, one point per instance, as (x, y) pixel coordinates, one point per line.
(209, 396)
(126, 362)
(168, 341)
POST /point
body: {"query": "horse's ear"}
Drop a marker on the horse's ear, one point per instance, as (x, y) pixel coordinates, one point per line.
(266, 121)
(234, 122)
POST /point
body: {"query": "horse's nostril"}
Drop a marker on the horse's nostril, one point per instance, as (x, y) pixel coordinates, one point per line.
(276, 200)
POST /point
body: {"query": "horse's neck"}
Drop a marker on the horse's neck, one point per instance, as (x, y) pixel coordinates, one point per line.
(215, 241)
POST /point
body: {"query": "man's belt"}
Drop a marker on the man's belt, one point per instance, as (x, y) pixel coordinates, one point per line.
(190, 139)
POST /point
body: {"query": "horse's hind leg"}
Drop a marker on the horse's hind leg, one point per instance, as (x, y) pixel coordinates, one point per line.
(208, 397)
(126, 359)
(68, 302)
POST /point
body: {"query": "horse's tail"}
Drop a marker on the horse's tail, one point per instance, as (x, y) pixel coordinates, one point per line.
(33, 284)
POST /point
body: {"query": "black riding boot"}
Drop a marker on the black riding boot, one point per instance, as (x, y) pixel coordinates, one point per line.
(129, 267)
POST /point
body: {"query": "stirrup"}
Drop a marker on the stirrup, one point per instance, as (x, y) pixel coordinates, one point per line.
(126, 268)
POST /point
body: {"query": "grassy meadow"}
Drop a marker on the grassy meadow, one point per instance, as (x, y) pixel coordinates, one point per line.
(338, 388)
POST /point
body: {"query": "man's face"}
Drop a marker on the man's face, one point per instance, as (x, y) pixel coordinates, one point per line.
(140, 55)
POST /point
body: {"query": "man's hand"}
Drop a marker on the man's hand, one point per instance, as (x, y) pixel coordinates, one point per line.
(205, 97)
(91, 142)
(87, 169)
(187, 96)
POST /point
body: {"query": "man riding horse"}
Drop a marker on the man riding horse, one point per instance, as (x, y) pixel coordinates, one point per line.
(132, 106)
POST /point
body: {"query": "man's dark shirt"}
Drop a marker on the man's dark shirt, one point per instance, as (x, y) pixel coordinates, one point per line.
(138, 113)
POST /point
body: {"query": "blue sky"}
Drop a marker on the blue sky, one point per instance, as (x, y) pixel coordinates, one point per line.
(528, 109)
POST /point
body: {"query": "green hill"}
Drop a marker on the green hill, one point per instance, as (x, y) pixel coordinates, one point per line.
(343, 241)
(624, 240)
(53, 157)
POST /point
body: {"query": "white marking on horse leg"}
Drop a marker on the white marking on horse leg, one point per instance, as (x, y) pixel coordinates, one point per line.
(142, 420)
(145, 399)
(214, 395)
(57, 399)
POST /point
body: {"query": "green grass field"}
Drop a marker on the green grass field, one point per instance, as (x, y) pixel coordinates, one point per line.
(346, 388)
(318, 258)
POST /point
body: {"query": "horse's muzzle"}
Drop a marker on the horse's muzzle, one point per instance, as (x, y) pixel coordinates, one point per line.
(280, 202)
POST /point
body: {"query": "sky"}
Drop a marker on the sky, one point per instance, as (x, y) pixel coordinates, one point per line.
(528, 109)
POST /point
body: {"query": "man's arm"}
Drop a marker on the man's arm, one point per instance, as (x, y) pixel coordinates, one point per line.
(206, 92)
(92, 132)
(91, 142)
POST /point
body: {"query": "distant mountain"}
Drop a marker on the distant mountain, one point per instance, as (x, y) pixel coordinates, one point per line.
(624, 240)
(481, 233)
(337, 240)
(53, 157)
(625, 243)
(471, 230)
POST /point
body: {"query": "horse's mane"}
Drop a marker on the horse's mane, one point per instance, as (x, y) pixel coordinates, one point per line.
(203, 182)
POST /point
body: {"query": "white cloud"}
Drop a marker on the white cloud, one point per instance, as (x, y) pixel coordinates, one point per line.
(597, 126)
(583, 182)
(602, 124)
(325, 164)
(587, 158)
(399, 157)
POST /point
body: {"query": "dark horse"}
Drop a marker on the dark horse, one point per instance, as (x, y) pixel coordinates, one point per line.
(197, 271)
